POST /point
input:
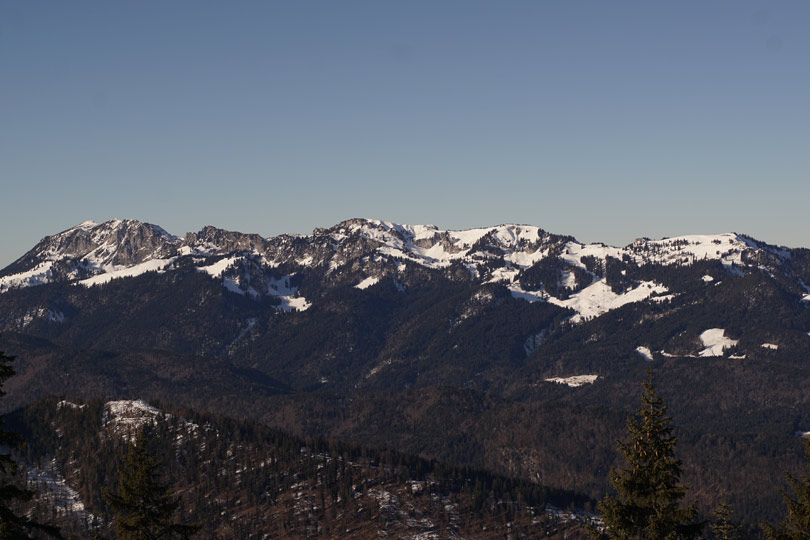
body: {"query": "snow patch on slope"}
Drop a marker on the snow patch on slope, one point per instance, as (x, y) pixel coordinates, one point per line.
(535, 340)
(368, 282)
(280, 288)
(727, 248)
(645, 352)
(715, 342)
(53, 491)
(575, 381)
(297, 303)
(216, 269)
(594, 300)
(39, 275)
(114, 272)
(599, 298)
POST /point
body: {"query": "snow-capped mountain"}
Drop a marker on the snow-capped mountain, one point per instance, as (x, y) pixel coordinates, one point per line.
(535, 265)
(380, 331)
(368, 299)
(115, 247)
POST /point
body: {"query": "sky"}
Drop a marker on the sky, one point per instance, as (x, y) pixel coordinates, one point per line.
(603, 120)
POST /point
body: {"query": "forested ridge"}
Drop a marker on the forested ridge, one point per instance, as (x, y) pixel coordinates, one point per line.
(239, 479)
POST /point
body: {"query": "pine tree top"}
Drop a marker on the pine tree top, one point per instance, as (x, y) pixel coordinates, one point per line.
(649, 491)
(144, 506)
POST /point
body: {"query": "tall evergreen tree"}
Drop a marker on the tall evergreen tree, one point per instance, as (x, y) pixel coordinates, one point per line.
(796, 525)
(648, 506)
(144, 506)
(723, 527)
(12, 525)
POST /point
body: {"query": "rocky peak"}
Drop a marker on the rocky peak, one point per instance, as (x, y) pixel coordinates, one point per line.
(95, 245)
(213, 240)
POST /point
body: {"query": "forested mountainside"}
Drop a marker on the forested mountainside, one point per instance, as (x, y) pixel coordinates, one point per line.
(238, 479)
(508, 348)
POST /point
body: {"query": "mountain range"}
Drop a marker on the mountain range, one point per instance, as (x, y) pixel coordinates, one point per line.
(508, 348)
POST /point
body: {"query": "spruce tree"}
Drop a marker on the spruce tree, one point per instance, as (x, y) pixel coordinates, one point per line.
(796, 525)
(648, 506)
(144, 506)
(12, 525)
(723, 527)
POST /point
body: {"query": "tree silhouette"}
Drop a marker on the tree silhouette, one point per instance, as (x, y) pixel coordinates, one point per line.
(723, 527)
(12, 525)
(796, 525)
(648, 506)
(144, 506)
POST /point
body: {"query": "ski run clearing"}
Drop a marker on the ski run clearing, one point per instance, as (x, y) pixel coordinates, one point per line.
(575, 381)
(715, 342)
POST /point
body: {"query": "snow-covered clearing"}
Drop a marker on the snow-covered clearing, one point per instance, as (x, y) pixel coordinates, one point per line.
(575, 381)
(715, 342)
(298, 303)
(645, 352)
(599, 298)
(594, 300)
(772, 346)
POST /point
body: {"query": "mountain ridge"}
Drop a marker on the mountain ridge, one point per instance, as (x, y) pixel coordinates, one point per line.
(506, 347)
(93, 253)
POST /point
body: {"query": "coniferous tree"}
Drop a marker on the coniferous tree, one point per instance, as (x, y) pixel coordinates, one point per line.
(648, 506)
(12, 525)
(723, 527)
(144, 506)
(796, 525)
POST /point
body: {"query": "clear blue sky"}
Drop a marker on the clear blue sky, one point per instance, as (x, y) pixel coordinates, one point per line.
(605, 120)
